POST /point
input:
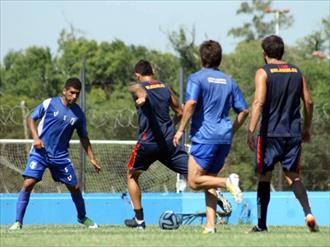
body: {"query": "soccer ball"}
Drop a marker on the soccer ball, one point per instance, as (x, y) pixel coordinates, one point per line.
(169, 221)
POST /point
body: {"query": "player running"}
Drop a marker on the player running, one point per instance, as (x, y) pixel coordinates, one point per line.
(156, 130)
(210, 96)
(279, 88)
(59, 117)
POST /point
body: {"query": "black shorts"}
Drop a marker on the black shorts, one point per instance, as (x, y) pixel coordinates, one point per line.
(286, 150)
(144, 154)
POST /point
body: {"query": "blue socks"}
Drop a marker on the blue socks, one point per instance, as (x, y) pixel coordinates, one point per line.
(24, 197)
(22, 202)
(80, 205)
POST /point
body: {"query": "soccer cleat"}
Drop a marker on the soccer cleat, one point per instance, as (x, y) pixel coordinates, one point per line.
(88, 223)
(232, 185)
(257, 229)
(223, 203)
(311, 223)
(209, 230)
(16, 226)
(133, 223)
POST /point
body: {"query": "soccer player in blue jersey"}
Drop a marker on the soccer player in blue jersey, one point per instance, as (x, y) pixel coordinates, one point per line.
(59, 117)
(153, 101)
(279, 89)
(210, 96)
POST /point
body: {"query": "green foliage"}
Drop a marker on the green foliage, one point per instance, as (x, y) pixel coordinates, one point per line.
(111, 119)
(111, 66)
(35, 74)
(319, 40)
(186, 48)
(317, 74)
(258, 27)
(72, 52)
(166, 68)
(12, 113)
(31, 73)
(243, 64)
(326, 28)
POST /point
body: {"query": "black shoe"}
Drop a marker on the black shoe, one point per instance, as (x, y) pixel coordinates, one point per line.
(258, 229)
(133, 223)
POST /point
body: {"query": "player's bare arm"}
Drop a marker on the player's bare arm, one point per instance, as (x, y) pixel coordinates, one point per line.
(139, 92)
(308, 111)
(257, 105)
(188, 111)
(88, 148)
(32, 125)
(240, 119)
(176, 107)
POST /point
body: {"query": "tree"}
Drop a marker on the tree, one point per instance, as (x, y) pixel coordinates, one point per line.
(242, 65)
(111, 66)
(317, 43)
(186, 48)
(31, 73)
(258, 27)
(72, 52)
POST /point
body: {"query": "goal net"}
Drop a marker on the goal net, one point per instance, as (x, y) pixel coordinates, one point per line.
(112, 155)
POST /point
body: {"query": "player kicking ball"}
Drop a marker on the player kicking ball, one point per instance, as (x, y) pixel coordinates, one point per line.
(153, 100)
(59, 117)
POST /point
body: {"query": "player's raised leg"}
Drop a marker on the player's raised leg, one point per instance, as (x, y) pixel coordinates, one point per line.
(232, 185)
(200, 179)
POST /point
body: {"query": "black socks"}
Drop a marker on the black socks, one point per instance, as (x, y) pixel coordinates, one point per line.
(139, 214)
(301, 194)
(263, 197)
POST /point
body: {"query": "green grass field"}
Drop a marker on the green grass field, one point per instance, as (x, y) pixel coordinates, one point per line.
(227, 235)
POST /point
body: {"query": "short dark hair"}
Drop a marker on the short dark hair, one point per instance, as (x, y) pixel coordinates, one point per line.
(73, 82)
(143, 67)
(273, 46)
(211, 53)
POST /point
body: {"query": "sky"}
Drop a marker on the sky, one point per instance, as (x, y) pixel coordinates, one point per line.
(26, 23)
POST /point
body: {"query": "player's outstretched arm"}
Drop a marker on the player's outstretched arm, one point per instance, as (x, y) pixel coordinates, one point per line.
(88, 148)
(139, 92)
